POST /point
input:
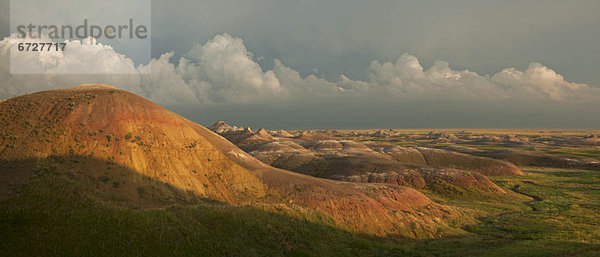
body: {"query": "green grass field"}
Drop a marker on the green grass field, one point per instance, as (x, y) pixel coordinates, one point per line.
(55, 216)
(562, 219)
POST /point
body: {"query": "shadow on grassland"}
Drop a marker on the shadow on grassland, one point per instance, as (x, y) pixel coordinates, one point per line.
(82, 206)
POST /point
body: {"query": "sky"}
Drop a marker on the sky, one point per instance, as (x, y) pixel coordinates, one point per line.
(357, 64)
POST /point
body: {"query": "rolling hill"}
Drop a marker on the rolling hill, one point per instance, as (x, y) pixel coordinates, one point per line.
(128, 150)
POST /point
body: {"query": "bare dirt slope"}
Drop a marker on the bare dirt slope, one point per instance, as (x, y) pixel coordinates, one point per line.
(107, 124)
(378, 163)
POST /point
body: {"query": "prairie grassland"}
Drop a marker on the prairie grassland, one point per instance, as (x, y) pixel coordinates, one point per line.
(53, 215)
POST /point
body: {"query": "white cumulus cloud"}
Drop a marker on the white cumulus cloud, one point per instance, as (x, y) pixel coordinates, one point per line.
(222, 70)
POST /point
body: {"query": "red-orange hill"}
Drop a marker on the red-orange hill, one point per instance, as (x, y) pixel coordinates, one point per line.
(106, 123)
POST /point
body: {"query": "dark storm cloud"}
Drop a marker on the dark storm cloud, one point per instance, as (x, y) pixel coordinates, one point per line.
(344, 36)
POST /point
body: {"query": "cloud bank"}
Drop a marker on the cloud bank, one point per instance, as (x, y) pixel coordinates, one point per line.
(223, 71)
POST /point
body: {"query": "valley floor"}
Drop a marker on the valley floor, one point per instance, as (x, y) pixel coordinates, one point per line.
(562, 219)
